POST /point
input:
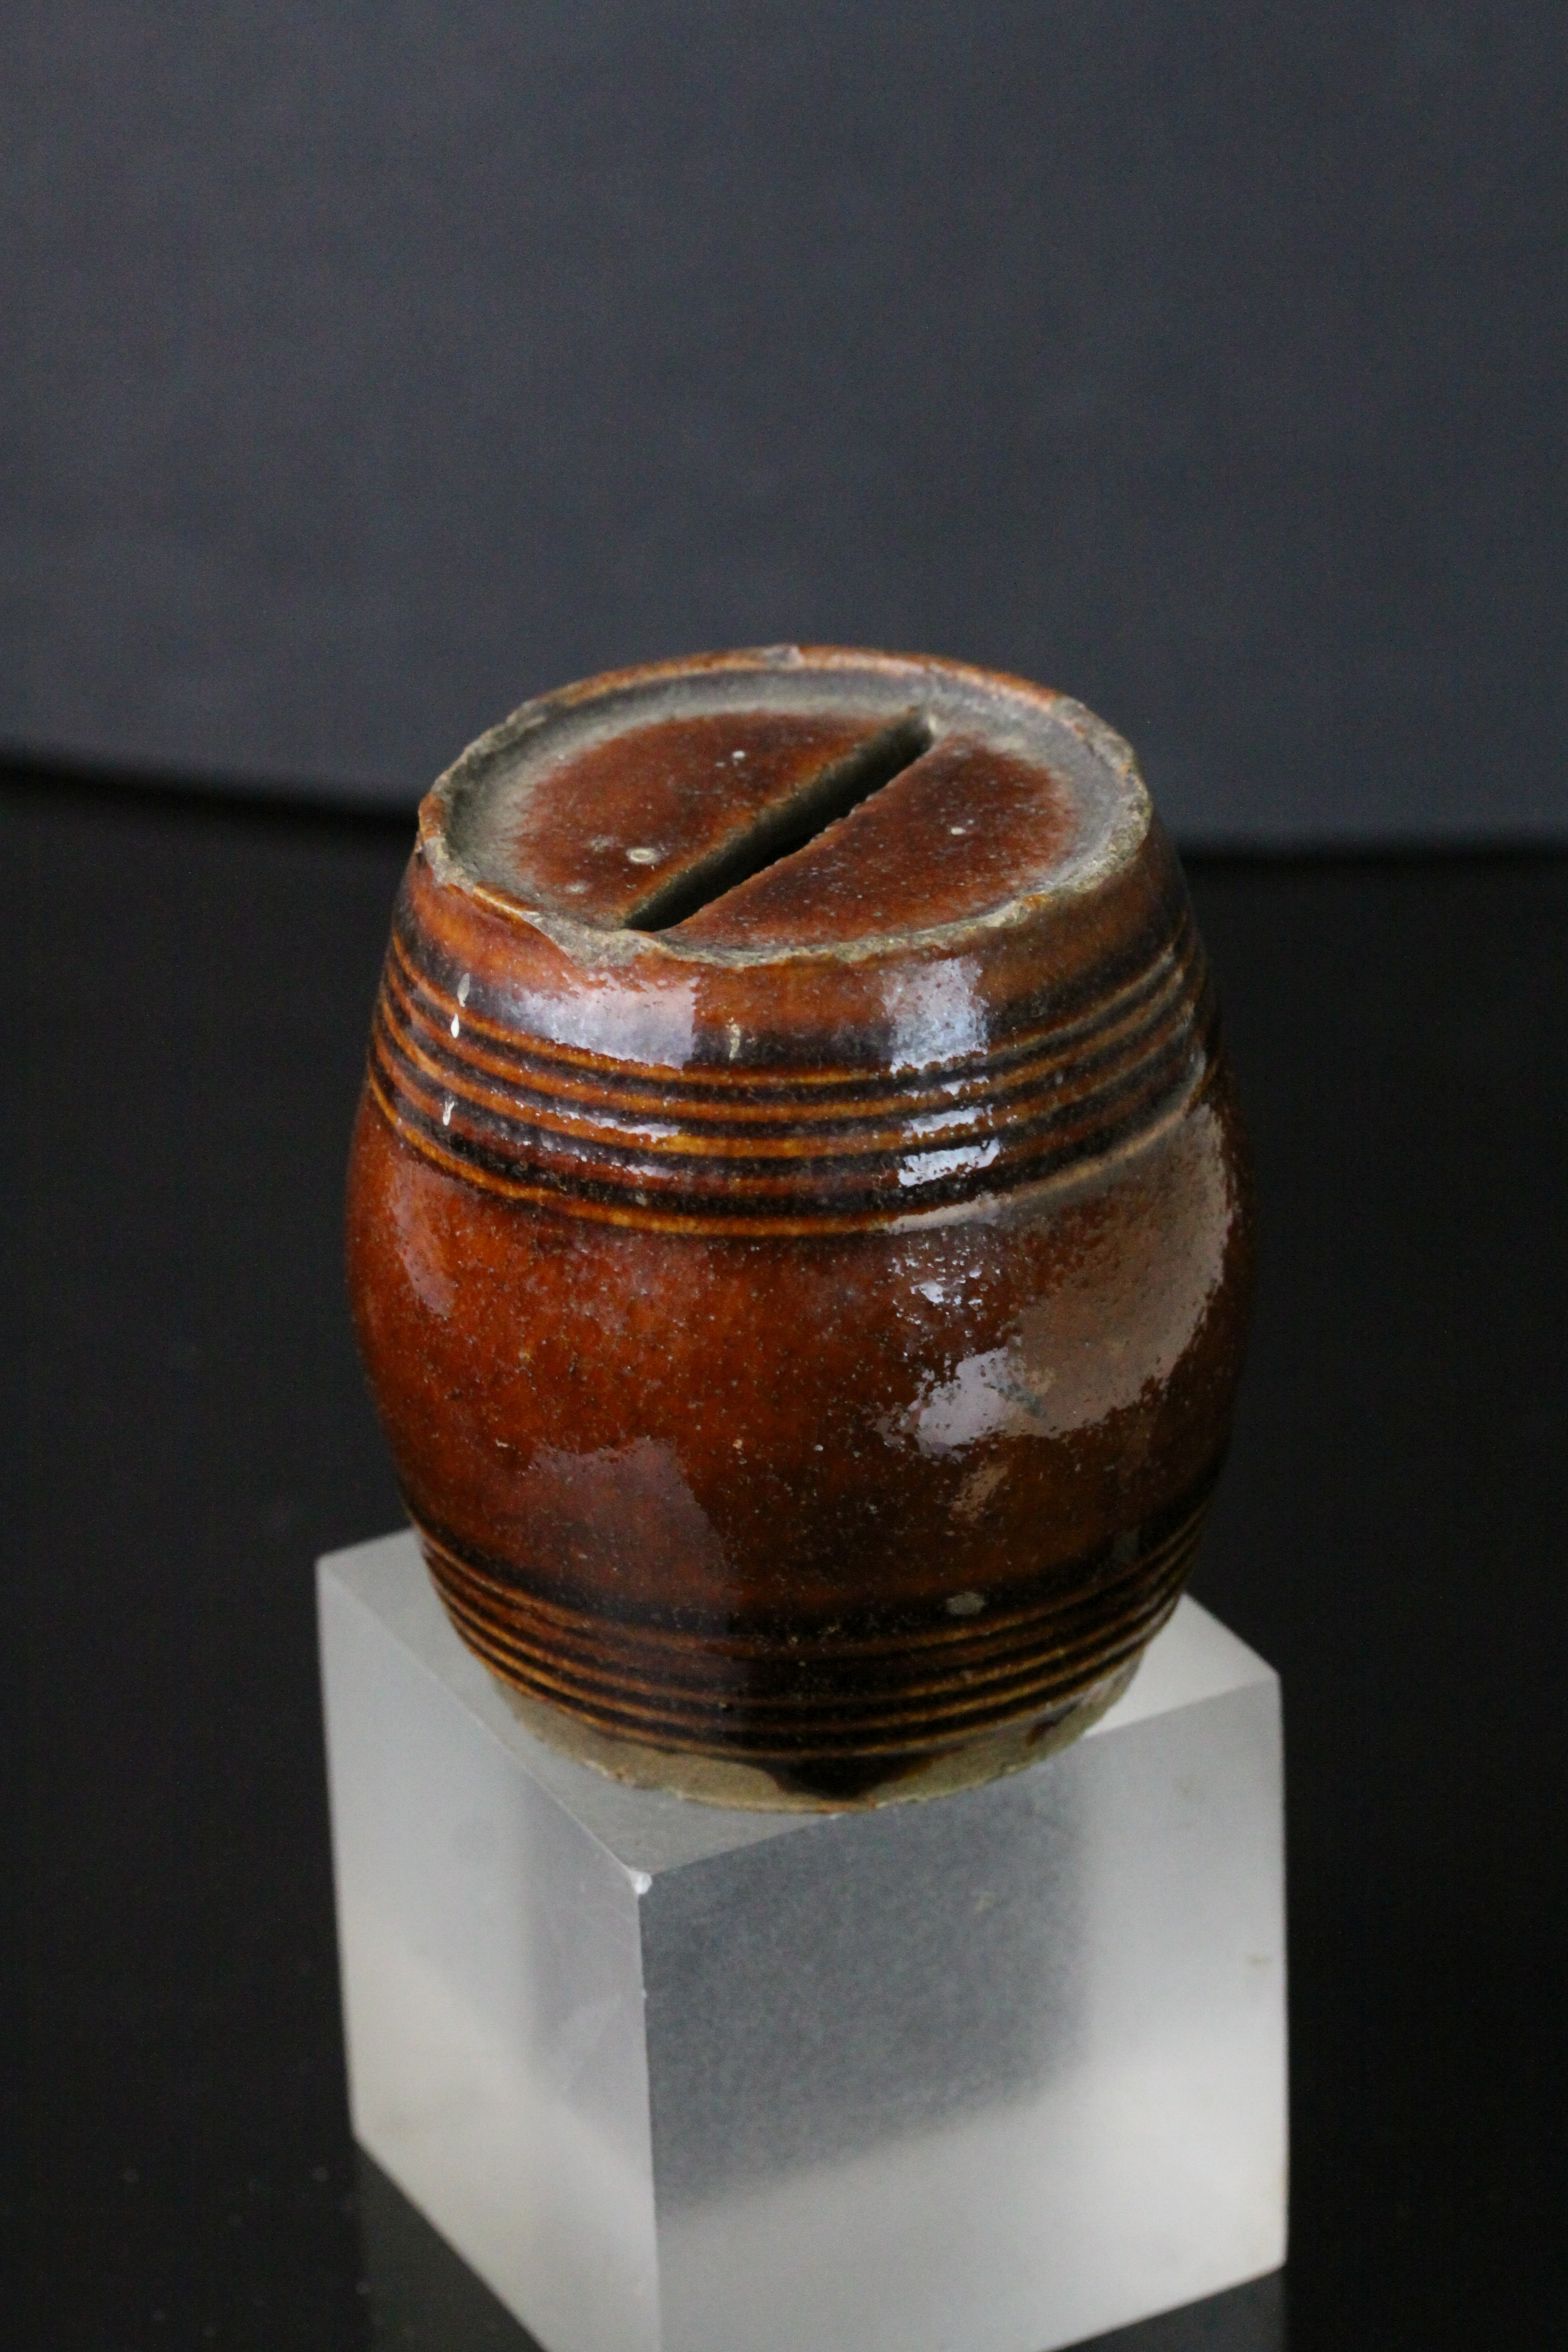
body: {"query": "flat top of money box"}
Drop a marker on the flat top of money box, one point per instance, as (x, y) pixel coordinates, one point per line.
(788, 801)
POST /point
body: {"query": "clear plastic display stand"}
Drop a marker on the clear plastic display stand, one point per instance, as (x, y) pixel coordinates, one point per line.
(995, 2072)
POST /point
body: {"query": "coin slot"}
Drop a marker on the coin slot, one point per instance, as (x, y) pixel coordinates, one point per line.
(778, 832)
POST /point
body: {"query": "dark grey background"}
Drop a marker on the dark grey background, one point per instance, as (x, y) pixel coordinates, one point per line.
(381, 364)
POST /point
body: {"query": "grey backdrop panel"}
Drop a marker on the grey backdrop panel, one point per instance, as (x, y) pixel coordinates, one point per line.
(382, 364)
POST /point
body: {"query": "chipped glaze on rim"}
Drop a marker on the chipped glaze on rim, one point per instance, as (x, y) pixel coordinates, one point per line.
(1053, 729)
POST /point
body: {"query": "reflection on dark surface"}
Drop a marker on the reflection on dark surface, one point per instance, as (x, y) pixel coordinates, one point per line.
(424, 2298)
(1248, 2319)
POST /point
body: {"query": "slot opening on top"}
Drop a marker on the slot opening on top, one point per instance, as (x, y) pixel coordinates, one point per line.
(779, 831)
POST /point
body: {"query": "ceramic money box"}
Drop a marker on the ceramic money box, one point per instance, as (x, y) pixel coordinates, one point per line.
(798, 1229)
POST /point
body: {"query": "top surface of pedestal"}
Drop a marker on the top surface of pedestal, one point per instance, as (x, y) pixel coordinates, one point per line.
(757, 806)
(1194, 1660)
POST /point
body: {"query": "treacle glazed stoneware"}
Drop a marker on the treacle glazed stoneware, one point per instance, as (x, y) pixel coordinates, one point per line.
(797, 1231)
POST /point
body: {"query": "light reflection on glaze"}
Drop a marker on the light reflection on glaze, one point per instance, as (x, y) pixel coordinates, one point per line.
(628, 1504)
(936, 1013)
(421, 1250)
(925, 1167)
(1140, 1266)
(637, 1021)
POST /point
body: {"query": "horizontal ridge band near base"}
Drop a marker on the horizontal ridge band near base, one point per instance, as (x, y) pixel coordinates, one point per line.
(778, 1697)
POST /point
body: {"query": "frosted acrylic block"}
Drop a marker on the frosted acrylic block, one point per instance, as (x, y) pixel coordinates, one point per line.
(994, 2072)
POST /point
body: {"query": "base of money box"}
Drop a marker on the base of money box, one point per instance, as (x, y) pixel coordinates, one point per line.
(995, 2072)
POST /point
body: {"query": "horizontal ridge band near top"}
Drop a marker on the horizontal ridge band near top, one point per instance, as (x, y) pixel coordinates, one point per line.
(744, 1147)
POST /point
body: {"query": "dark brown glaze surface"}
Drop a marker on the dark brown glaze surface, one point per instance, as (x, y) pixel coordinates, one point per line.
(606, 822)
(947, 838)
(806, 1330)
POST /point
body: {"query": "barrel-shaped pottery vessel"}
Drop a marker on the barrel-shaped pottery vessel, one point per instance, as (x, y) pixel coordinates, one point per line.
(797, 1224)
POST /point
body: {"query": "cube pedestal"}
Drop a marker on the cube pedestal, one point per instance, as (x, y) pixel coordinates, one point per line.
(994, 2072)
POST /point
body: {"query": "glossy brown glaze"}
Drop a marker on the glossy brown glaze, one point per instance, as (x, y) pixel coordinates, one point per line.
(797, 1229)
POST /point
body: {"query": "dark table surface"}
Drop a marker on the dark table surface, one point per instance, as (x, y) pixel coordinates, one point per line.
(191, 1431)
